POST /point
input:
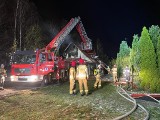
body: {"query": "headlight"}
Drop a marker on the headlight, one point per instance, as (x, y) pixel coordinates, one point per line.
(33, 78)
(12, 78)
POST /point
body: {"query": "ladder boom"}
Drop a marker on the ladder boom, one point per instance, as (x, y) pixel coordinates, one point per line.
(86, 42)
(59, 39)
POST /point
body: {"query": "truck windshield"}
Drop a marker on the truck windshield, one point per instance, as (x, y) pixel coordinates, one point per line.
(24, 59)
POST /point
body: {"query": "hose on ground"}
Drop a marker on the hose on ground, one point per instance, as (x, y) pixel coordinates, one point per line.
(134, 108)
(133, 101)
(147, 116)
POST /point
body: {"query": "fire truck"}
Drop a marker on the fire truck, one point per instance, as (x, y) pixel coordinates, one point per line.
(44, 65)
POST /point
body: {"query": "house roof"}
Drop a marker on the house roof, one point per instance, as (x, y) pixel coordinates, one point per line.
(87, 56)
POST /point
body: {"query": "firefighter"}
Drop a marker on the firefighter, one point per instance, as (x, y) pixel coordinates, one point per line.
(98, 74)
(126, 73)
(2, 76)
(109, 70)
(114, 73)
(82, 76)
(72, 77)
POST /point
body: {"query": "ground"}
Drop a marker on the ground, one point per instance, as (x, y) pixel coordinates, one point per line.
(54, 102)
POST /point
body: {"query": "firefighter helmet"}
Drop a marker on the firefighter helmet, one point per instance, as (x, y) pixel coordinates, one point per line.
(99, 66)
(73, 63)
(2, 65)
(81, 61)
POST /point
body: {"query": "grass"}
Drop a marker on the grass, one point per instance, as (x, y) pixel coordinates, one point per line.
(54, 102)
(152, 107)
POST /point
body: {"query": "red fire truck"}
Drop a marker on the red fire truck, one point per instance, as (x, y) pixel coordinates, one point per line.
(43, 65)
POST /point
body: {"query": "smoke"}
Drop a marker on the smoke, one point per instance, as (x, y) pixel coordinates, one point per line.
(68, 39)
(51, 29)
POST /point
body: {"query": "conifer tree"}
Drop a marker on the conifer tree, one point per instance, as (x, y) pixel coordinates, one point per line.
(154, 32)
(158, 62)
(158, 53)
(134, 58)
(123, 57)
(124, 53)
(100, 52)
(134, 53)
(148, 70)
(34, 33)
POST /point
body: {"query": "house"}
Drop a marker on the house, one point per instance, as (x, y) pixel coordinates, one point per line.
(74, 52)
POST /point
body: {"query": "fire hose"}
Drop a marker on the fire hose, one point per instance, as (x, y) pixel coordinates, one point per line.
(134, 108)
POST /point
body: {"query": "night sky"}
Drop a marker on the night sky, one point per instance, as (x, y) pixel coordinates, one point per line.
(110, 21)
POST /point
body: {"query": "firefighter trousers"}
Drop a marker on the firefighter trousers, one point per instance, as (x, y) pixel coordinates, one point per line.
(115, 77)
(98, 82)
(83, 82)
(72, 86)
(1, 82)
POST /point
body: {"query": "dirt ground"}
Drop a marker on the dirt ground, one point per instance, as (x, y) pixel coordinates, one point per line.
(12, 90)
(17, 88)
(8, 91)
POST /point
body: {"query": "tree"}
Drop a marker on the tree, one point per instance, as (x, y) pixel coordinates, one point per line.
(123, 57)
(33, 38)
(158, 61)
(26, 15)
(6, 27)
(100, 52)
(119, 65)
(16, 17)
(134, 55)
(158, 53)
(154, 32)
(123, 54)
(134, 58)
(148, 70)
(99, 48)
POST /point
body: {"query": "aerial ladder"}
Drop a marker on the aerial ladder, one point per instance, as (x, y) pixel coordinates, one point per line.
(86, 44)
(59, 39)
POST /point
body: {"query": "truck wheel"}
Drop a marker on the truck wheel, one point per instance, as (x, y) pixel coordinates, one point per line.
(44, 81)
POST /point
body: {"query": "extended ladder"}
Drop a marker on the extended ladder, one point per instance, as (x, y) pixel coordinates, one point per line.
(86, 44)
(59, 39)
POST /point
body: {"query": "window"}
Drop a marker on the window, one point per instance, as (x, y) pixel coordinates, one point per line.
(49, 57)
(42, 58)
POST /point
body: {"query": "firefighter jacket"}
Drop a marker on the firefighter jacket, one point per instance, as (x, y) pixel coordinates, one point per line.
(114, 70)
(98, 73)
(82, 72)
(3, 72)
(72, 73)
